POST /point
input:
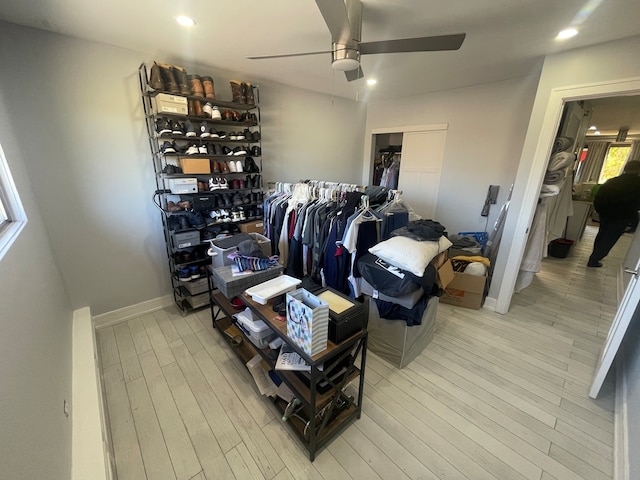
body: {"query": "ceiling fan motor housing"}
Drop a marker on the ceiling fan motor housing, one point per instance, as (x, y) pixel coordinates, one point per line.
(344, 57)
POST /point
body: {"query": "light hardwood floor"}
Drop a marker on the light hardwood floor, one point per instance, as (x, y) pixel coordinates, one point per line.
(497, 397)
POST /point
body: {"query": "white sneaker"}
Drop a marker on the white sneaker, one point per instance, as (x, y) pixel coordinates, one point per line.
(202, 149)
(240, 136)
(239, 151)
(239, 166)
(232, 166)
(207, 109)
(233, 136)
(192, 150)
(223, 183)
(215, 113)
(214, 184)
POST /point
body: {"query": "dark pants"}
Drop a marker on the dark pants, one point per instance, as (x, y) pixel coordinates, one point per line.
(611, 229)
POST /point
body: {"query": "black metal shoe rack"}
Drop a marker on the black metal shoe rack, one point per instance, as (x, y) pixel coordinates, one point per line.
(188, 227)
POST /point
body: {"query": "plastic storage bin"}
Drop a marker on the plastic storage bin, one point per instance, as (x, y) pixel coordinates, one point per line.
(256, 330)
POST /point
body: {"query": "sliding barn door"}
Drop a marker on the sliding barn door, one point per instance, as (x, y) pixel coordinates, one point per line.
(420, 169)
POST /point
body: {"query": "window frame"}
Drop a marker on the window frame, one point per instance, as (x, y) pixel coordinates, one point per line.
(16, 218)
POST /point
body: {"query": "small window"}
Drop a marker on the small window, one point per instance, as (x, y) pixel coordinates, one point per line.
(12, 215)
(614, 161)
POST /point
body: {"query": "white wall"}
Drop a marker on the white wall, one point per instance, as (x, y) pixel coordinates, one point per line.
(487, 125)
(609, 62)
(35, 335)
(76, 110)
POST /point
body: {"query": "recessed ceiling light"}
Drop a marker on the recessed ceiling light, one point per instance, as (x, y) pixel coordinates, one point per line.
(185, 21)
(597, 132)
(592, 127)
(372, 81)
(567, 33)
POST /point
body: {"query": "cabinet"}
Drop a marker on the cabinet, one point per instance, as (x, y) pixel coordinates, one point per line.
(322, 405)
(207, 162)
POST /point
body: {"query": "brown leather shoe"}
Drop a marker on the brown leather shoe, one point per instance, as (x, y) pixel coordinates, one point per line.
(236, 92)
(224, 167)
(168, 78)
(180, 74)
(195, 84)
(155, 78)
(209, 89)
(249, 94)
(195, 108)
(227, 115)
(215, 166)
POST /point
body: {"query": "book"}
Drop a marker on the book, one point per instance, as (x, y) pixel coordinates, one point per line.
(290, 360)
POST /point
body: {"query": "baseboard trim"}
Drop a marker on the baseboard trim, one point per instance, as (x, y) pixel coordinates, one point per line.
(489, 304)
(621, 419)
(122, 314)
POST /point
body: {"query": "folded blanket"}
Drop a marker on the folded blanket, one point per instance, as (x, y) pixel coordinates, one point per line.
(421, 230)
(562, 143)
(560, 160)
(553, 178)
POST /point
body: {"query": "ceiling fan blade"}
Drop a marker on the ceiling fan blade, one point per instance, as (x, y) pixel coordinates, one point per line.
(420, 44)
(263, 57)
(343, 18)
(354, 74)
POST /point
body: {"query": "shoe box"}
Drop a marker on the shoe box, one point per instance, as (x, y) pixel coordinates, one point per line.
(257, 226)
(185, 239)
(165, 103)
(183, 185)
(196, 287)
(195, 165)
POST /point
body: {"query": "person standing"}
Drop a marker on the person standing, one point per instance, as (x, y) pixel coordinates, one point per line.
(617, 203)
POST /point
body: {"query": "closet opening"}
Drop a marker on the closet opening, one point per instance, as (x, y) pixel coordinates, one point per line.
(387, 154)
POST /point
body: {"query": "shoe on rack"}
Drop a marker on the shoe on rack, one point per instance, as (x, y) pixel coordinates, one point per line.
(256, 151)
(189, 129)
(242, 214)
(195, 84)
(209, 87)
(224, 184)
(180, 74)
(192, 150)
(194, 270)
(223, 135)
(195, 108)
(224, 168)
(202, 187)
(195, 220)
(255, 181)
(207, 108)
(227, 115)
(249, 97)
(168, 147)
(235, 216)
(232, 167)
(163, 127)
(177, 128)
(204, 130)
(170, 169)
(239, 168)
(213, 133)
(236, 92)
(229, 151)
(215, 167)
(215, 113)
(214, 184)
(184, 274)
(234, 184)
(202, 149)
(237, 199)
(241, 136)
(155, 78)
(226, 200)
(250, 165)
(239, 151)
(255, 136)
(232, 136)
(168, 78)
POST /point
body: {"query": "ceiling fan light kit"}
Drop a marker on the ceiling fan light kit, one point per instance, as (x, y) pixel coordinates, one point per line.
(344, 58)
(344, 21)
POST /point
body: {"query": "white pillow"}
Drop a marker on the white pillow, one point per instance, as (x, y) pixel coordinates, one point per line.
(408, 254)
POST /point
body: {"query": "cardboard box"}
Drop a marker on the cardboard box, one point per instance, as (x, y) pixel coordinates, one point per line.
(165, 103)
(464, 290)
(257, 226)
(195, 165)
(444, 269)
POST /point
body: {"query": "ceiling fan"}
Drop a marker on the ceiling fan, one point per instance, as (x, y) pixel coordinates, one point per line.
(344, 19)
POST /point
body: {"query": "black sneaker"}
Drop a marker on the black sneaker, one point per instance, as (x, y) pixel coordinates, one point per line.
(171, 169)
(226, 150)
(204, 130)
(176, 127)
(190, 131)
(256, 151)
(168, 147)
(255, 136)
(163, 127)
(239, 151)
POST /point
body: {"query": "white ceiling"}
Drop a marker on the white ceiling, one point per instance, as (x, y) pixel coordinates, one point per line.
(505, 38)
(611, 114)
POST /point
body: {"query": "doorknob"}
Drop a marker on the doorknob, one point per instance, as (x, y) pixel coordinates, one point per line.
(632, 272)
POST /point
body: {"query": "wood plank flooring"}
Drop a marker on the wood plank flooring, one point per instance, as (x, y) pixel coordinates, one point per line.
(492, 397)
